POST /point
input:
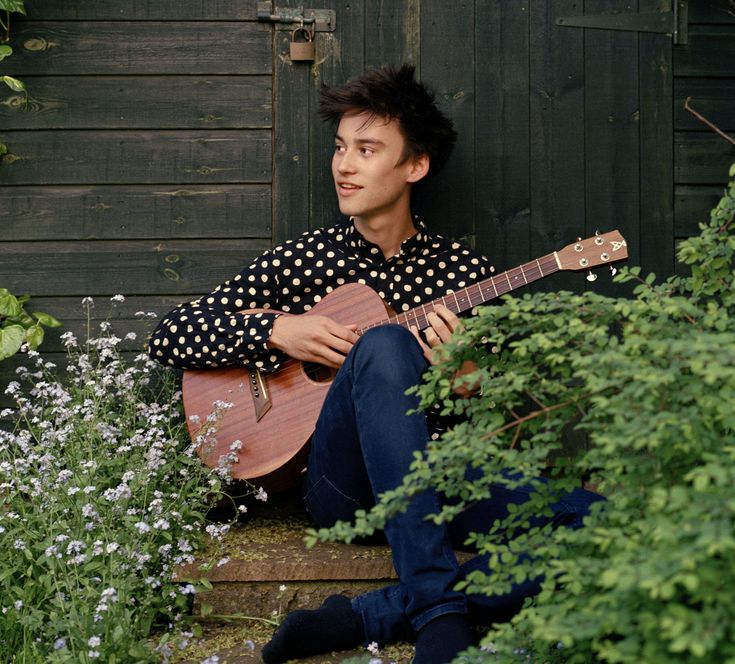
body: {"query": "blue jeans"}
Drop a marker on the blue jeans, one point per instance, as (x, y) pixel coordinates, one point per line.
(363, 445)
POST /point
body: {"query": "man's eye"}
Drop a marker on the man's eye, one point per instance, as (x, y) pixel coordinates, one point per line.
(366, 151)
(338, 148)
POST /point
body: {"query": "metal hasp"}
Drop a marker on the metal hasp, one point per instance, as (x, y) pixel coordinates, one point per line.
(318, 20)
(673, 22)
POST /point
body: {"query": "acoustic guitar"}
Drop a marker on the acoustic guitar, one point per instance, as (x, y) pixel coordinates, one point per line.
(273, 415)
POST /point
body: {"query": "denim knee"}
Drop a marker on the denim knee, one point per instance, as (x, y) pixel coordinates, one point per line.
(388, 353)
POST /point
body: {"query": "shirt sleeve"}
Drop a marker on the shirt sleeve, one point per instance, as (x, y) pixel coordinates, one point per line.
(217, 330)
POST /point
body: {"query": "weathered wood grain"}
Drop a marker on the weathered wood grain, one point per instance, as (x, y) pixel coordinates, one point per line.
(190, 48)
(557, 133)
(141, 102)
(692, 207)
(710, 52)
(292, 106)
(502, 195)
(127, 267)
(111, 157)
(111, 212)
(340, 57)
(612, 125)
(143, 10)
(714, 98)
(392, 32)
(449, 200)
(657, 177)
(711, 11)
(702, 158)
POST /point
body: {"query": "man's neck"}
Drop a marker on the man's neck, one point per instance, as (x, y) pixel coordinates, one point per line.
(388, 232)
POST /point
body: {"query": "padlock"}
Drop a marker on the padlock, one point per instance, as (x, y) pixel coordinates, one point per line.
(302, 51)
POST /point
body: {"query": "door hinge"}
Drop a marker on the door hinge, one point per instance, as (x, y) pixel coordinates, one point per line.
(673, 22)
(286, 18)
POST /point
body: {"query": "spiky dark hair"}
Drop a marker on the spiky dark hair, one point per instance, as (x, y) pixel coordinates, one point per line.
(395, 94)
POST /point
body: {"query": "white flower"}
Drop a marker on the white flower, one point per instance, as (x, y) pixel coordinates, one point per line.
(282, 587)
(87, 302)
(214, 659)
(93, 641)
(117, 298)
(142, 527)
(242, 508)
(18, 604)
(372, 648)
(222, 561)
(93, 654)
(261, 495)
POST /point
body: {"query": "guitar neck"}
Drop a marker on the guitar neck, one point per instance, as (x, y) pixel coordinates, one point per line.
(476, 294)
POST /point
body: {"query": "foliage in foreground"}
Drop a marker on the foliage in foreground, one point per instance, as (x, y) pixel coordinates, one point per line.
(101, 497)
(651, 381)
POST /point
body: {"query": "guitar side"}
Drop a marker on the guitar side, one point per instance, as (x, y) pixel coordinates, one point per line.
(273, 446)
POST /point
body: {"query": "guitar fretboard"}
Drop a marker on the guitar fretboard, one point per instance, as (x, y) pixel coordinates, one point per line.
(476, 294)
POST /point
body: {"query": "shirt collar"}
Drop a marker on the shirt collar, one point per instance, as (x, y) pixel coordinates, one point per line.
(355, 241)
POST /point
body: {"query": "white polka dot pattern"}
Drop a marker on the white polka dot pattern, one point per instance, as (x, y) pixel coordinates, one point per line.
(296, 275)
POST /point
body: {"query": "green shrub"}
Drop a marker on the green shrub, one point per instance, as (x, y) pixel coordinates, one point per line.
(650, 380)
(101, 497)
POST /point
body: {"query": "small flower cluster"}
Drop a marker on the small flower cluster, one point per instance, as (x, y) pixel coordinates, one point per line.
(101, 499)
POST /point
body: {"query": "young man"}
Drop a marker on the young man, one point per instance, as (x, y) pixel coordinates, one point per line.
(390, 136)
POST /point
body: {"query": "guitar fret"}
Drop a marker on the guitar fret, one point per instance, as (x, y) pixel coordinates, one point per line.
(523, 275)
(510, 286)
(539, 267)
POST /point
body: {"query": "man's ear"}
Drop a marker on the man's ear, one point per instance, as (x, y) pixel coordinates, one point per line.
(419, 168)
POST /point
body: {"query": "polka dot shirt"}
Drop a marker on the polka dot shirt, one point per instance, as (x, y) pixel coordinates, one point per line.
(214, 330)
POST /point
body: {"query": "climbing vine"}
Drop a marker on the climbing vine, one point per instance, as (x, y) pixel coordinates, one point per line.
(7, 8)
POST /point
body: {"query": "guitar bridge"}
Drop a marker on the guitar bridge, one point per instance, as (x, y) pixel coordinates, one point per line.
(259, 393)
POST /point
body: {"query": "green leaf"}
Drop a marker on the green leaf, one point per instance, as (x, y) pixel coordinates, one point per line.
(5, 51)
(46, 319)
(14, 84)
(9, 304)
(34, 336)
(11, 339)
(13, 6)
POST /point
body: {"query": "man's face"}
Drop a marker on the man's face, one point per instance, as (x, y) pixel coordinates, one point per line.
(368, 175)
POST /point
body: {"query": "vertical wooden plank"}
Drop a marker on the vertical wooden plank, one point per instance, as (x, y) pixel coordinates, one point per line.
(657, 141)
(291, 155)
(557, 133)
(447, 66)
(502, 197)
(340, 57)
(612, 168)
(392, 32)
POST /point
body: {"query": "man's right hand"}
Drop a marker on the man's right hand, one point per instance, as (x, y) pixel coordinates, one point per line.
(313, 338)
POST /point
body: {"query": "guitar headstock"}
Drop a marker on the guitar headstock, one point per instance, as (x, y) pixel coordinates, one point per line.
(600, 249)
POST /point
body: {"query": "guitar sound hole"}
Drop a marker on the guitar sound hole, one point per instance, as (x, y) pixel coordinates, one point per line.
(319, 373)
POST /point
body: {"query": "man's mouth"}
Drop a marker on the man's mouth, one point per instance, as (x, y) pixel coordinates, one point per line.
(346, 187)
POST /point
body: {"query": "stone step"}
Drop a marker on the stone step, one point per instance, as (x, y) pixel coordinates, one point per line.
(262, 569)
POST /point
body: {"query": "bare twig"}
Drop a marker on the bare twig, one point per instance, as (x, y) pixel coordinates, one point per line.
(701, 118)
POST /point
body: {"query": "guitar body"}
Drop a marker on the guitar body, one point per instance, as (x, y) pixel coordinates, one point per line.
(274, 442)
(274, 415)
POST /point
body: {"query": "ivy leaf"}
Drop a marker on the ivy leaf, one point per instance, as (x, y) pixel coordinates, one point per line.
(14, 84)
(46, 319)
(5, 51)
(13, 6)
(11, 339)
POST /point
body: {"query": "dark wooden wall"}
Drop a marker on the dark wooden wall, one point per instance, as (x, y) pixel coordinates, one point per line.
(563, 131)
(141, 163)
(165, 143)
(705, 71)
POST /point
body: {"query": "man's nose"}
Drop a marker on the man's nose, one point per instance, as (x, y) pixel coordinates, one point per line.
(346, 162)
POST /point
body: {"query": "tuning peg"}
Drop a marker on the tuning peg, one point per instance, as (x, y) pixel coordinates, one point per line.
(591, 276)
(613, 270)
